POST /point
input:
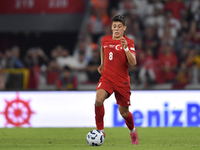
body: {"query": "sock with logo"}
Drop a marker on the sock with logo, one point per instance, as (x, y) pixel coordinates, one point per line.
(132, 131)
(99, 114)
(129, 122)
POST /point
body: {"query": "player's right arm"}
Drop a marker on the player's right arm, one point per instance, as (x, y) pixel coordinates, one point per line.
(101, 67)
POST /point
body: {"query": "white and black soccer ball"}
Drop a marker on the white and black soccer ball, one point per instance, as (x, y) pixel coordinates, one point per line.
(95, 138)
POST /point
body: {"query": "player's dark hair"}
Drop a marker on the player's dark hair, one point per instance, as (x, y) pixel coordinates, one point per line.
(66, 68)
(119, 18)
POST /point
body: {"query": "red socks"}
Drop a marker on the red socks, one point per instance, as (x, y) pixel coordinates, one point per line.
(129, 121)
(99, 114)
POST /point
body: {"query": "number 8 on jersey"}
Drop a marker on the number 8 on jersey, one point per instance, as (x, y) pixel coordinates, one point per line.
(111, 56)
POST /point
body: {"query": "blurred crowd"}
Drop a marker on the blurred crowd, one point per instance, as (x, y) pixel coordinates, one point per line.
(61, 69)
(166, 35)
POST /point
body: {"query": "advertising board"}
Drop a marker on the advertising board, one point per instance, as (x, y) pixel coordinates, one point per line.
(76, 109)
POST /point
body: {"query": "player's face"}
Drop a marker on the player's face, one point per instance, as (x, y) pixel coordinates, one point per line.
(118, 30)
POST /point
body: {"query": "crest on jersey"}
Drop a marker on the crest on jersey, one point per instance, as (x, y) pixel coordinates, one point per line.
(118, 47)
(111, 46)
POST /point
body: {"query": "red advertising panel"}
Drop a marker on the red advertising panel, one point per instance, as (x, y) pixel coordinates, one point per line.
(41, 6)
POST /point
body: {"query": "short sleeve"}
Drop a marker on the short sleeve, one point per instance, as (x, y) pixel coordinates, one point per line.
(131, 47)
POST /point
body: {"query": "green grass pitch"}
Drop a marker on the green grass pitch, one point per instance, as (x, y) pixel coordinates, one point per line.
(116, 139)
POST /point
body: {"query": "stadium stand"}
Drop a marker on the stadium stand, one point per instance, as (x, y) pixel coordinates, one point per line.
(166, 36)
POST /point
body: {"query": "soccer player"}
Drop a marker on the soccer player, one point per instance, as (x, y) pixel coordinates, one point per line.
(117, 52)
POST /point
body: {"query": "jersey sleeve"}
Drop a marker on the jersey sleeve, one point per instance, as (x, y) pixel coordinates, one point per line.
(131, 47)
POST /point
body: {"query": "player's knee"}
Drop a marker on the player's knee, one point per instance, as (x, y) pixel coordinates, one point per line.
(124, 114)
(99, 102)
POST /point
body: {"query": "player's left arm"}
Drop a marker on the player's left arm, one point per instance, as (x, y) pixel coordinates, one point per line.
(130, 56)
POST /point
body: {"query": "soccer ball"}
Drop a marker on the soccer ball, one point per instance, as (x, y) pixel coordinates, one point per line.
(95, 138)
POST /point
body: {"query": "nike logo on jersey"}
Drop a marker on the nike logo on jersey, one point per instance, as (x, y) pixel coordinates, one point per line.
(105, 46)
(111, 46)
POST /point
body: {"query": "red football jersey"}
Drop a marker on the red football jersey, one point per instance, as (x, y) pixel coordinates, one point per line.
(116, 66)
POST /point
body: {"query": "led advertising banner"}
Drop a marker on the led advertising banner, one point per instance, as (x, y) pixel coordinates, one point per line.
(76, 109)
(41, 6)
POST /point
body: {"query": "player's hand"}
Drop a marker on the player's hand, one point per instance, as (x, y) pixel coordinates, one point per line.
(124, 43)
(100, 68)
